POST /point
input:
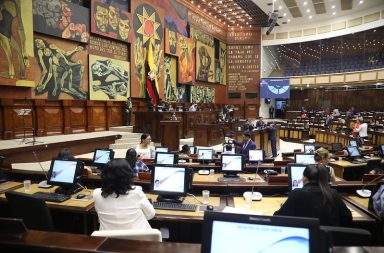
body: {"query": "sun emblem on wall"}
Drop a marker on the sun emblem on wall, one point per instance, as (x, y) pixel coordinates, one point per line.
(147, 24)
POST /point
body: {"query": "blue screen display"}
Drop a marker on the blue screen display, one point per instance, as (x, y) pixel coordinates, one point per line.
(274, 88)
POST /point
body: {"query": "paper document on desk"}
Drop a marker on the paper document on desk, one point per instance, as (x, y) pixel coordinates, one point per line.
(229, 209)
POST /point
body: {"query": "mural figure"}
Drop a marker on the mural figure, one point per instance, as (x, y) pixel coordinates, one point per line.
(58, 72)
(186, 60)
(124, 27)
(201, 94)
(101, 16)
(113, 79)
(172, 42)
(10, 13)
(222, 59)
(169, 85)
(113, 18)
(205, 64)
(140, 56)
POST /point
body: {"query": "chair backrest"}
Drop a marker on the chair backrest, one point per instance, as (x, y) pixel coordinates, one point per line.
(343, 236)
(2, 176)
(373, 164)
(132, 234)
(34, 212)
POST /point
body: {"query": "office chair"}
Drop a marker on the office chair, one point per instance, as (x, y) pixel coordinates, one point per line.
(132, 234)
(2, 176)
(336, 147)
(343, 236)
(34, 212)
(373, 164)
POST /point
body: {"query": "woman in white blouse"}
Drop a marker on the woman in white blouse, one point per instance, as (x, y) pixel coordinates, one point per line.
(120, 205)
(144, 150)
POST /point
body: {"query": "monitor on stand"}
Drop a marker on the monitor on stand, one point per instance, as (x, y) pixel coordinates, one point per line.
(161, 149)
(308, 149)
(382, 150)
(65, 174)
(102, 156)
(170, 182)
(165, 158)
(231, 165)
(295, 175)
(353, 153)
(256, 155)
(305, 158)
(193, 150)
(205, 155)
(353, 143)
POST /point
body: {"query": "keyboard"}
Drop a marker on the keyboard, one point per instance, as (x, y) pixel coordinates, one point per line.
(231, 179)
(174, 206)
(51, 196)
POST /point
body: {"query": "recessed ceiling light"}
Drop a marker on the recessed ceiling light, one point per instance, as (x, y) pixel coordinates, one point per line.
(285, 14)
(280, 7)
(334, 13)
(333, 6)
(361, 1)
(308, 10)
(310, 17)
(289, 20)
(305, 3)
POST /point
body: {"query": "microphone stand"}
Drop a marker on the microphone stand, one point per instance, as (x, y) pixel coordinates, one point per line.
(367, 193)
(42, 184)
(33, 127)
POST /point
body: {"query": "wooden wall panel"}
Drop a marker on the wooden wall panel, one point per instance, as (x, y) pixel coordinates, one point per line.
(53, 117)
(99, 113)
(78, 118)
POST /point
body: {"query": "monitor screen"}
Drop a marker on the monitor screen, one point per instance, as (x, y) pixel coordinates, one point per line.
(231, 163)
(205, 154)
(309, 148)
(162, 149)
(382, 149)
(353, 151)
(165, 158)
(193, 150)
(295, 175)
(227, 232)
(305, 158)
(63, 172)
(337, 146)
(353, 143)
(256, 155)
(169, 180)
(102, 156)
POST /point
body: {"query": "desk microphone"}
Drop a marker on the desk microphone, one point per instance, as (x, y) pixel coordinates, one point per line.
(365, 193)
(203, 171)
(42, 184)
(255, 195)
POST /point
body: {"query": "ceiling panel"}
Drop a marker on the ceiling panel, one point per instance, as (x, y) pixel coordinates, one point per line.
(295, 12)
(346, 4)
(320, 8)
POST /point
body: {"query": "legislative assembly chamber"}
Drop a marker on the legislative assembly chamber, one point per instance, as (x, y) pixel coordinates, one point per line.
(192, 126)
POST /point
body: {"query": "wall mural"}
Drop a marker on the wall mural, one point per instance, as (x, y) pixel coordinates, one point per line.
(203, 37)
(148, 32)
(16, 43)
(108, 79)
(202, 94)
(176, 17)
(205, 63)
(221, 70)
(61, 19)
(112, 19)
(61, 68)
(186, 67)
(170, 91)
(182, 93)
(171, 43)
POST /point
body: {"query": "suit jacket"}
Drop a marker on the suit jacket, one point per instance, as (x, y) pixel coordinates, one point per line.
(309, 202)
(244, 147)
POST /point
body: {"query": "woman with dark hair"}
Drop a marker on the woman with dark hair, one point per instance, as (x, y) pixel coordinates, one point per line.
(144, 149)
(317, 200)
(65, 154)
(120, 205)
(185, 151)
(137, 164)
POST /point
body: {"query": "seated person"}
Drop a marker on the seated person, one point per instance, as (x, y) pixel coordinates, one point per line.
(136, 164)
(228, 149)
(185, 151)
(322, 156)
(144, 149)
(65, 154)
(317, 200)
(260, 123)
(118, 204)
(246, 145)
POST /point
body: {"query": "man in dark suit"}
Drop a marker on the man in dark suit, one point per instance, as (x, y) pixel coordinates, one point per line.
(246, 145)
(272, 138)
(260, 123)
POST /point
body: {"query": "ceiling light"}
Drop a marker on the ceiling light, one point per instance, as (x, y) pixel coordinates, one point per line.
(361, 1)
(289, 20)
(333, 6)
(280, 7)
(308, 10)
(305, 3)
(310, 17)
(334, 13)
(285, 14)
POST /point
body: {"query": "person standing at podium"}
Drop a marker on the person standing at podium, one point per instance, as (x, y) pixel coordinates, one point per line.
(144, 149)
(246, 145)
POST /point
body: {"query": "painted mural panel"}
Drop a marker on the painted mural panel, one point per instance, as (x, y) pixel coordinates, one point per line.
(171, 42)
(111, 18)
(61, 19)
(60, 73)
(176, 17)
(205, 63)
(149, 29)
(186, 67)
(203, 37)
(221, 70)
(170, 90)
(16, 43)
(108, 79)
(202, 94)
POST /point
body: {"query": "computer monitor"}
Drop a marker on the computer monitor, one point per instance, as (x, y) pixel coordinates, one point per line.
(256, 155)
(245, 233)
(309, 148)
(353, 143)
(170, 182)
(161, 149)
(205, 154)
(353, 152)
(295, 175)
(193, 150)
(65, 173)
(337, 147)
(231, 164)
(305, 158)
(102, 156)
(165, 158)
(382, 149)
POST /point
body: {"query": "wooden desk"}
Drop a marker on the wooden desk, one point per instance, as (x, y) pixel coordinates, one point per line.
(349, 171)
(40, 241)
(9, 186)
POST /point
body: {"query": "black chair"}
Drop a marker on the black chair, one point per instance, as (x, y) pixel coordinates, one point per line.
(373, 164)
(2, 176)
(34, 212)
(344, 236)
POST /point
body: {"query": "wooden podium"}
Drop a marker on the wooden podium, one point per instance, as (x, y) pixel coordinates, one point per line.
(169, 130)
